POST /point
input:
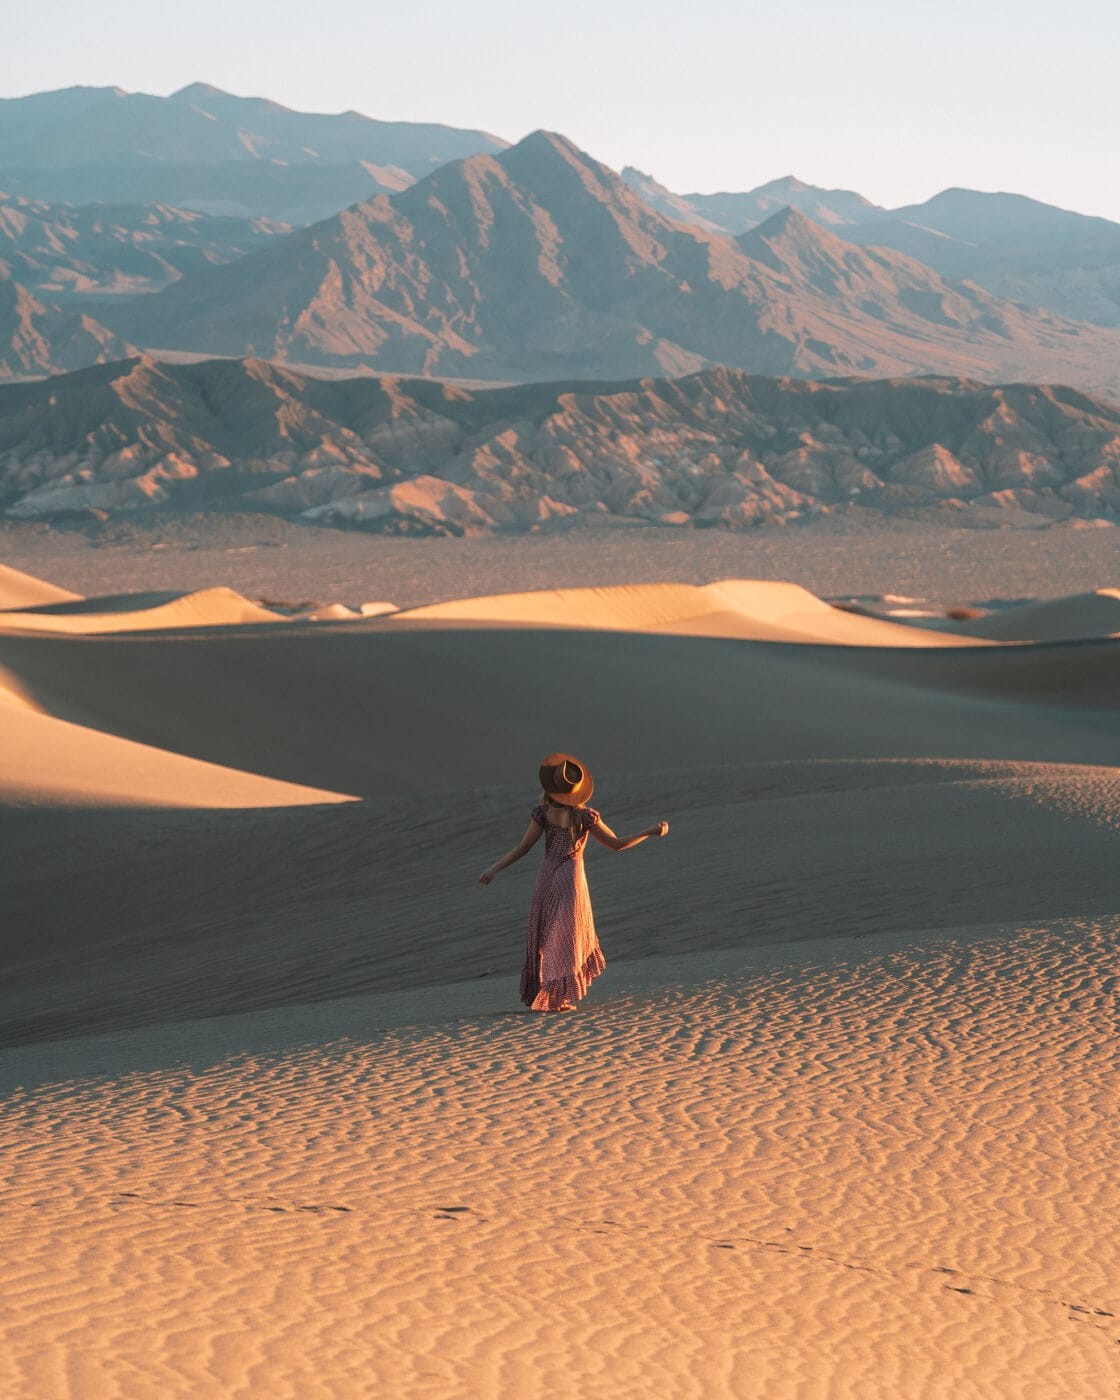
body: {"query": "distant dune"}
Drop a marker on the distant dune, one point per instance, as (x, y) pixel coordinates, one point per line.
(19, 590)
(1095, 614)
(378, 706)
(47, 760)
(210, 607)
(750, 610)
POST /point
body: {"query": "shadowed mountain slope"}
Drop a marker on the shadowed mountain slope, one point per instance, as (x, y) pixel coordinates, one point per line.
(717, 448)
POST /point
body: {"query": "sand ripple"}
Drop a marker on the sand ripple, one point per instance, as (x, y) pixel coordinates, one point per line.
(877, 1170)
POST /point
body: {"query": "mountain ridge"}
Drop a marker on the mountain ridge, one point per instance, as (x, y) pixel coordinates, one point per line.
(84, 250)
(39, 338)
(721, 448)
(1018, 248)
(540, 262)
(211, 150)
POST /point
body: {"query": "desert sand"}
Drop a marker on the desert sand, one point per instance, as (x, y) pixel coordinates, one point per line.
(1093, 614)
(750, 610)
(209, 607)
(20, 590)
(839, 1119)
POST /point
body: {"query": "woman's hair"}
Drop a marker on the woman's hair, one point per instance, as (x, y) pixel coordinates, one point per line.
(573, 825)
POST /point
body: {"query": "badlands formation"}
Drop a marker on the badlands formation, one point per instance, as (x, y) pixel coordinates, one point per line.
(839, 1119)
(142, 439)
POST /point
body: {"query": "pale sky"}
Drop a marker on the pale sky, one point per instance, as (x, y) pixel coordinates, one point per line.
(895, 98)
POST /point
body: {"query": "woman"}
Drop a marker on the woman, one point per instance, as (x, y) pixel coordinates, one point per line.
(563, 956)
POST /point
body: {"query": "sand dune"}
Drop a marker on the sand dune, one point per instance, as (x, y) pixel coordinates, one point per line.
(289, 906)
(19, 590)
(44, 758)
(383, 707)
(837, 1121)
(752, 610)
(208, 607)
(47, 760)
(868, 1167)
(1095, 614)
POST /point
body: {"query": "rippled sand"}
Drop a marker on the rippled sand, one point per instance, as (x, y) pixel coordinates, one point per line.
(840, 1119)
(862, 1170)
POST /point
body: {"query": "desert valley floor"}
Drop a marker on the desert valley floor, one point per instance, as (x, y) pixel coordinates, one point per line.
(840, 1118)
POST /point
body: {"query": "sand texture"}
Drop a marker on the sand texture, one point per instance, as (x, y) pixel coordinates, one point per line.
(837, 1176)
(839, 1120)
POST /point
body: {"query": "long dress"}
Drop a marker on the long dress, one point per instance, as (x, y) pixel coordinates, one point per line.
(562, 953)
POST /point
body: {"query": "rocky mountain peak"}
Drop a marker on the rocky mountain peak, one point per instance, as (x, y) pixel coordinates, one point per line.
(197, 92)
(791, 235)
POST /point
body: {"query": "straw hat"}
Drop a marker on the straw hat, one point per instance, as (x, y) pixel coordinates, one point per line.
(566, 780)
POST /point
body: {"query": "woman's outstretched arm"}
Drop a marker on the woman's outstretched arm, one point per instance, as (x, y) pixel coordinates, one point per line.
(606, 837)
(530, 839)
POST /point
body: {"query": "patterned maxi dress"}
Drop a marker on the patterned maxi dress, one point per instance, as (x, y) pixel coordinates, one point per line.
(562, 954)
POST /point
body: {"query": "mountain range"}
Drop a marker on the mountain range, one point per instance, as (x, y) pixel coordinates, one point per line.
(1018, 248)
(459, 256)
(209, 150)
(541, 263)
(718, 448)
(98, 250)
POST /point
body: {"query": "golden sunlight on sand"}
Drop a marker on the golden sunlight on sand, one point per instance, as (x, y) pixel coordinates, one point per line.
(839, 1120)
(751, 610)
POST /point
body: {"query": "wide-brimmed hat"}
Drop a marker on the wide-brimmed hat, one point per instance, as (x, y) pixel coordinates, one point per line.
(566, 780)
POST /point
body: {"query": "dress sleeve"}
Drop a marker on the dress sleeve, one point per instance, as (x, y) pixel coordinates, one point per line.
(537, 815)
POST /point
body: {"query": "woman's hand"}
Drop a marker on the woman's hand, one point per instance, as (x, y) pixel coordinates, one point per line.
(486, 877)
(661, 829)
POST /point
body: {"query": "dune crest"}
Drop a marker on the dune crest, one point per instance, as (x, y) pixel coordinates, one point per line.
(20, 590)
(48, 759)
(748, 609)
(45, 760)
(207, 607)
(1074, 618)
